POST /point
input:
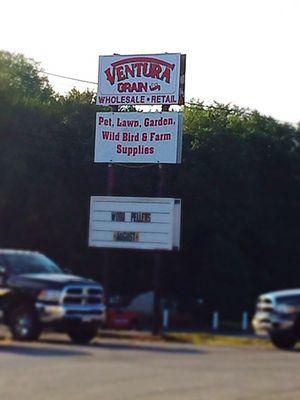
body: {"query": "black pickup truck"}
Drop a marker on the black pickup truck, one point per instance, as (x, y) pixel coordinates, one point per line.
(36, 293)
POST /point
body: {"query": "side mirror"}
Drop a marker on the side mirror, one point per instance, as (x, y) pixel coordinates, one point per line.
(67, 271)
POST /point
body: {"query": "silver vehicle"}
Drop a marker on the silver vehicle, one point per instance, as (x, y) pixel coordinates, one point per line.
(278, 316)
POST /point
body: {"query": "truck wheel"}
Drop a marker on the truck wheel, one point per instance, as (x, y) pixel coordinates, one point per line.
(283, 340)
(24, 324)
(83, 333)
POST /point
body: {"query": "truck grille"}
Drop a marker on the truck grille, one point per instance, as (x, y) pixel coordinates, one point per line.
(82, 295)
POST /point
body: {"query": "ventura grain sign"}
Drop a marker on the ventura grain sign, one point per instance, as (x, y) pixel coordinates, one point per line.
(141, 79)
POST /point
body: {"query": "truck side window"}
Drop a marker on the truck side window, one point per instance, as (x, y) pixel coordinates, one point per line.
(290, 300)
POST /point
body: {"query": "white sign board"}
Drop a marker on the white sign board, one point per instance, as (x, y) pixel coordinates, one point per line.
(135, 137)
(135, 223)
(141, 79)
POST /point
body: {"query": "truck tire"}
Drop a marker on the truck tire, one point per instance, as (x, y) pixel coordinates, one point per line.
(83, 333)
(24, 324)
(284, 340)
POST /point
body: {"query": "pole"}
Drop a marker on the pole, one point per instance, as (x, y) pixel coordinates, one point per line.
(215, 321)
(245, 321)
(156, 296)
(166, 319)
(157, 320)
(110, 183)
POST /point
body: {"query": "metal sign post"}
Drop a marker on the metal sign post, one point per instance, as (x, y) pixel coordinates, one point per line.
(110, 182)
(157, 320)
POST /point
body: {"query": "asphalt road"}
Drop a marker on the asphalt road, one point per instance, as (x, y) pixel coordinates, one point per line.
(54, 369)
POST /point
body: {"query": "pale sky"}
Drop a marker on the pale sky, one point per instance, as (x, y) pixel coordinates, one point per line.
(241, 51)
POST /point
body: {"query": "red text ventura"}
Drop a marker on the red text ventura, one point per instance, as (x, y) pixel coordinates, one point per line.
(139, 67)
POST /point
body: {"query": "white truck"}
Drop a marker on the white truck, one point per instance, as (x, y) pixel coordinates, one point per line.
(278, 316)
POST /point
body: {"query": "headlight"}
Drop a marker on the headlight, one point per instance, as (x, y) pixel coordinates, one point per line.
(49, 295)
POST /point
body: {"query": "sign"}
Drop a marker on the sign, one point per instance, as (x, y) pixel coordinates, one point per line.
(136, 137)
(141, 79)
(135, 223)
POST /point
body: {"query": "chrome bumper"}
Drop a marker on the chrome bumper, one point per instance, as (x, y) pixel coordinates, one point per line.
(84, 313)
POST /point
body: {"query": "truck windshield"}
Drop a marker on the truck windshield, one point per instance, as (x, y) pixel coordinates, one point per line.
(31, 263)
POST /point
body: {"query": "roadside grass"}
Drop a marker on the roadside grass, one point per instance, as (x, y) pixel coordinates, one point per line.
(196, 338)
(202, 338)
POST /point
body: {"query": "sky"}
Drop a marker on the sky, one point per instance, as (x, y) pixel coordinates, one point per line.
(244, 52)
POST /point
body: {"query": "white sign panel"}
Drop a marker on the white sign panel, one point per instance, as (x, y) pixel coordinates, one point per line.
(135, 223)
(135, 137)
(141, 79)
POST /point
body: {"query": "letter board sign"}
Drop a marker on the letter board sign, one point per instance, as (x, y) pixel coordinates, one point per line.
(135, 137)
(135, 223)
(141, 79)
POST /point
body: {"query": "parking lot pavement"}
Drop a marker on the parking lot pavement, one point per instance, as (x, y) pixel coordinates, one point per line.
(54, 369)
